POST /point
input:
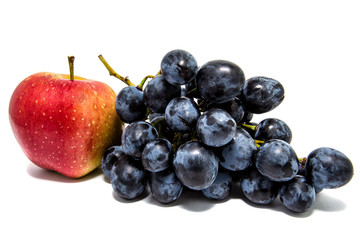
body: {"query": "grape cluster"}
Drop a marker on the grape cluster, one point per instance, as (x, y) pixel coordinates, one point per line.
(190, 127)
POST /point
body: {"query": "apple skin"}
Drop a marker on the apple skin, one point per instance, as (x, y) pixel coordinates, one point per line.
(63, 125)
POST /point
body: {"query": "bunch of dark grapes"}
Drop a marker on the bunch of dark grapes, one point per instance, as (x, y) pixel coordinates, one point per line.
(189, 127)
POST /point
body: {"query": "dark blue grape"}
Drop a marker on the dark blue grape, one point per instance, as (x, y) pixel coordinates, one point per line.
(328, 168)
(216, 127)
(277, 160)
(191, 89)
(261, 94)
(247, 117)
(158, 93)
(297, 195)
(220, 189)
(258, 188)
(195, 165)
(110, 157)
(179, 67)
(157, 155)
(128, 177)
(181, 114)
(135, 136)
(219, 81)
(130, 105)
(233, 107)
(273, 128)
(237, 155)
(162, 127)
(153, 117)
(165, 186)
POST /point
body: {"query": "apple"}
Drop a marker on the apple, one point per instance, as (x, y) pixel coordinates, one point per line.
(64, 122)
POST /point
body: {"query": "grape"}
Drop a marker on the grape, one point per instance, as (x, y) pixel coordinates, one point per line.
(191, 89)
(247, 117)
(219, 81)
(277, 160)
(153, 117)
(261, 94)
(157, 155)
(238, 153)
(162, 127)
(179, 67)
(215, 127)
(273, 128)
(220, 188)
(258, 188)
(297, 195)
(135, 136)
(195, 165)
(130, 105)
(328, 168)
(181, 114)
(164, 186)
(158, 93)
(190, 128)
(110, 157)
(128, 177)
(233, 107)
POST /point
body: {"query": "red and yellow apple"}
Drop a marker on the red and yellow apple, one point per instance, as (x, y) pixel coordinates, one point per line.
(64, 125)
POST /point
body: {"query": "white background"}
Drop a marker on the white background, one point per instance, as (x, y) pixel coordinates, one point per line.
(311, 47)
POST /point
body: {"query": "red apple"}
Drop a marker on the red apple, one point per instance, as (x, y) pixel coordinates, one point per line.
(64, 125)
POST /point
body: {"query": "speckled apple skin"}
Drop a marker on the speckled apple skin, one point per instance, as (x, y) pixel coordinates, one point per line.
(64, 125)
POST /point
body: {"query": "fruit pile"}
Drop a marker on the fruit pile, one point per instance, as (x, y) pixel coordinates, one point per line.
(189, 128)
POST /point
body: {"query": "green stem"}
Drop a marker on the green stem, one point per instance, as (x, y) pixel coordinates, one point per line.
(191, 91)
(157, 120)
(113, 73)
(141, 85)
(258, 141)
(202, 103)
(194, 135)
(71, 60)
(147, 114)
(176, 140)
(302, 161)
(252, 127)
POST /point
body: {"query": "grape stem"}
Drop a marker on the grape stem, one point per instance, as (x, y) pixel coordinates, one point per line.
(177, 140)
(142, 83)
(191, 91)
(202, 103)
(147, 114)
(302, 161)
(71, 60)
(252, 127)
(160, 120)
(259, 141)
(113, 73)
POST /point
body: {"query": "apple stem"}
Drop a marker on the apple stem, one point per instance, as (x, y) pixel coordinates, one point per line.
(71, 67)
(113, 73)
